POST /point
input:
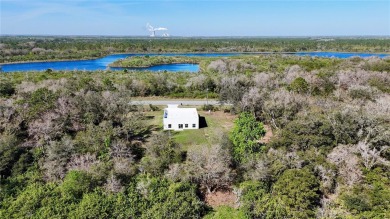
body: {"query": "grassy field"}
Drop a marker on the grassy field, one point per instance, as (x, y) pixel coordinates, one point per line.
(217, 123)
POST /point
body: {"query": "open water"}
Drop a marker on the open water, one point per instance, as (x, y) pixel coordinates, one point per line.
(102, 63)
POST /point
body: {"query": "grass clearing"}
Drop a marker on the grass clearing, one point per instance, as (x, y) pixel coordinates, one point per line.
(217, 123)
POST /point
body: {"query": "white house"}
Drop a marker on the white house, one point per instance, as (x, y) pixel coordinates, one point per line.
(178, 119)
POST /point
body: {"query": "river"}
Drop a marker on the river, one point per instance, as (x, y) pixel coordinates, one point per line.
(102, 63)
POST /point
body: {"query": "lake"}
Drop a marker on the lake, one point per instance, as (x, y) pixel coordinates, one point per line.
(102, 63)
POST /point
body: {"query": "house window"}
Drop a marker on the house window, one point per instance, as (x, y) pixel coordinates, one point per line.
(169, 126)
(186, 125)
(165, 114)
(193, 125)
(180, 126)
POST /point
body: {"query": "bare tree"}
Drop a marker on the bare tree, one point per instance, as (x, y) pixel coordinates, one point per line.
(328, 178)
(218, 65)
(233, 88)
(124, 166)
(282, 106)
(344, 156)
(56, 159)
(83, 162)
(265, 80)
(293, 72)
(197, 82)
(209, 166)
(176, 172)
(252, 100)
(113, 184)
(47, 127)
(371, 156)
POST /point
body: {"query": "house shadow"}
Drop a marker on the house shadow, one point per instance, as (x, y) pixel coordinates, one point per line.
(202, 122)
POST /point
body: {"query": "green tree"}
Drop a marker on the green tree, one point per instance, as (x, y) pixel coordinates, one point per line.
(245, 137)
(6, 89)
(176, 200)
(253, 195)
(371, 198)
(312, 130)
(9, 153)
(94, 205)
(299, 85)
(28, 202)
(76, 183)
(165, 199)
(298, 190)
(39, 101)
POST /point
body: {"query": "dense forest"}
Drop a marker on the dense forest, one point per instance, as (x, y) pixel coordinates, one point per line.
(29, 48)
(73, 144)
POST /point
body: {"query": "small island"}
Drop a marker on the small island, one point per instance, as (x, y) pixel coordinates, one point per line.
(148, 61)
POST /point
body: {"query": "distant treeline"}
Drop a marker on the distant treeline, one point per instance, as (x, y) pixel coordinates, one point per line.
(25, 48)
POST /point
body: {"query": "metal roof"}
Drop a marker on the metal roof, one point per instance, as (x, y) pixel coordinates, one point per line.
(179, 113)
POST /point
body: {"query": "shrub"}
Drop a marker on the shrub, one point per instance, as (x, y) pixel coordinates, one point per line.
(299, 85)
(7, 89)
(362, 92)
(356, 203)
(208, 107)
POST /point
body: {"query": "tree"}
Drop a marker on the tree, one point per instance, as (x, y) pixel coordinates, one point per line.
(245, 137)
(6, 89)
(9, 153)
(253, 100)
(282, 107)
(233, 88)
(344, 156)
(209, 167)
(371, 156)
(94, 205)
(251, 194)
(298, 190)
(160, 153)
(76, 183)
(57, 156)
(299, 85)
(173, 200)
(39, 101)
(312, 130)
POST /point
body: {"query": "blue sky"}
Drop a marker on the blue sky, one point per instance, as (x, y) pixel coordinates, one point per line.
(196, 18)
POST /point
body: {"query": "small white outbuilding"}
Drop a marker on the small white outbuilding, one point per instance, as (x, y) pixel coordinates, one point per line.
(178, 119)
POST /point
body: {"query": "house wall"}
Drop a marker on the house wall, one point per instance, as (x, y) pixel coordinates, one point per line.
(175, 123)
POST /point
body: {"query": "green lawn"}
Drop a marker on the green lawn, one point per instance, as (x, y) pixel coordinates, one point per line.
(217, 124)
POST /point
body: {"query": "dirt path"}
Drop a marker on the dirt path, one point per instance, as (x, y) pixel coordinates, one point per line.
(220, 198)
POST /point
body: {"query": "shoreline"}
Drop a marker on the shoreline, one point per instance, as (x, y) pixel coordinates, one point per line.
(162, 53)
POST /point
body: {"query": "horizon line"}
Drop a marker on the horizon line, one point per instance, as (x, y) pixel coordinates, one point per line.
(217, 36)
